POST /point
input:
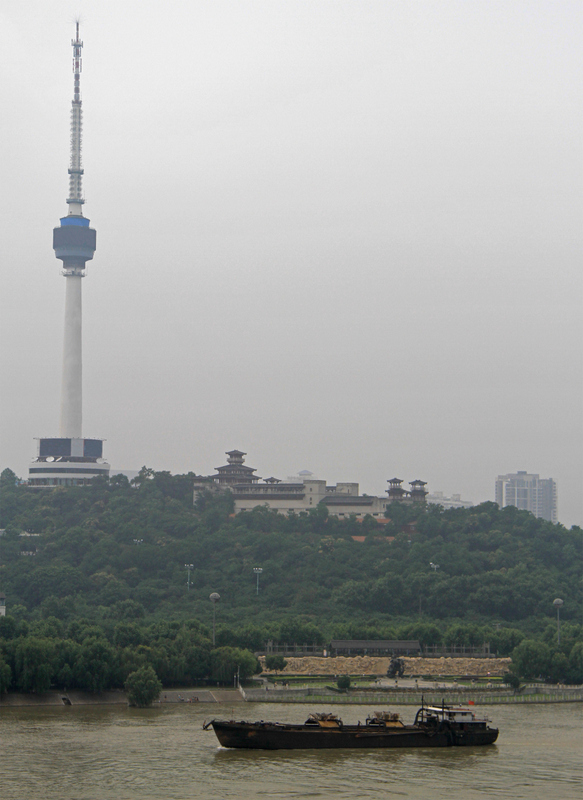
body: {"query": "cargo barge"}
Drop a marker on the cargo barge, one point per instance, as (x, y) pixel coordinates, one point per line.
(434, 726)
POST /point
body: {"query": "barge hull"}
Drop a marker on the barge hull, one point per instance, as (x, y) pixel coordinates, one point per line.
(275, 737)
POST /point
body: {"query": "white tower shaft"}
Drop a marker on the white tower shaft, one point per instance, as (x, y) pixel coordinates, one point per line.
(71, 390)
(74, 243)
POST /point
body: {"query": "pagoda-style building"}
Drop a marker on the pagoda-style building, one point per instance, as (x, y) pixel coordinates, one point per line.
(302, 493)
(418, 492)
(235, 471)
(395, 490)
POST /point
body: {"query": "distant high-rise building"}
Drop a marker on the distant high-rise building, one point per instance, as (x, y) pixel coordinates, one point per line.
(528, 492)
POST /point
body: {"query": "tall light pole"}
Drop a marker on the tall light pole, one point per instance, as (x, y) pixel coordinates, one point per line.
(214, 598)
(557, 604)
(188, 567)
(258, 571)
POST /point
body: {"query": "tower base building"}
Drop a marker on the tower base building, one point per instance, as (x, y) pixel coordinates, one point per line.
(67, 462)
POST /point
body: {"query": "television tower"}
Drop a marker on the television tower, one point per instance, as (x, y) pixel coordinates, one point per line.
(70, 459)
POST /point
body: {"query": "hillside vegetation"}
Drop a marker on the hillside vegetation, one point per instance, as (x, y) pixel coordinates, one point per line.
(114, 553)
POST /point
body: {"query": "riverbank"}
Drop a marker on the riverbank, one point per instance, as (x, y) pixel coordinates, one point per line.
(316, 695)
(77, 698)
(72, 698)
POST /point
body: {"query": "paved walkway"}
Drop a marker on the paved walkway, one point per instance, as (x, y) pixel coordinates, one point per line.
(228, 695)
(201, 696)
(411, 683)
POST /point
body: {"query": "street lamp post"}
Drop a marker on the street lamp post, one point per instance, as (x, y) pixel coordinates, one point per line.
(557, 604)
(433, 566)
(258, 571)
(188, 567)
(214, 598)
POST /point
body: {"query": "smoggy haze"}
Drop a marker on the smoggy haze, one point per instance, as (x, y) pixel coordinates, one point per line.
(341, 236)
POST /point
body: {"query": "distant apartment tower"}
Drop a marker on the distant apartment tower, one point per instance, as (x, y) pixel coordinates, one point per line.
(529, 493)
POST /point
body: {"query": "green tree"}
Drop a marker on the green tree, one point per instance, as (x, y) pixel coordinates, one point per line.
(54, 579)
(9, 504)
(504, 640)
(95, 665)
(226, 662)
(8, 628)
(197, 663)
(129, 609)
(575, 674)
(343, 682)
(424, 632)
(276, 663)
(466, 634)
(5, 675)
(531, 659)
(66, 653)
(144, 475)
(8, 479)
(558, 668)
(511, 679)
(33, 668)
(127, 634)
(143, 687)
(297, 630)
(60, 607)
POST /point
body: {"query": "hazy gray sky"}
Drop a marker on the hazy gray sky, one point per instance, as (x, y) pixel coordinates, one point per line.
(340, 236)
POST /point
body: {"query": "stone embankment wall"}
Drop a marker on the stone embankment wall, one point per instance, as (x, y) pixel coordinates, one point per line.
(373, 665)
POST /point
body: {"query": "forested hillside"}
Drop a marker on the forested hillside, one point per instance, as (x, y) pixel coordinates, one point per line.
(115, 552)
(118, 546)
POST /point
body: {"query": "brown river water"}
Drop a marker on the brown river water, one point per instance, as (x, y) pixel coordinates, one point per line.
(118, 753)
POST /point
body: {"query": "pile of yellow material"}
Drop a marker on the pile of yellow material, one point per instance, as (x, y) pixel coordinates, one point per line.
(374, 665)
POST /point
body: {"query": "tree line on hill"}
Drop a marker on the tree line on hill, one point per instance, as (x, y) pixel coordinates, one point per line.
(114, 553)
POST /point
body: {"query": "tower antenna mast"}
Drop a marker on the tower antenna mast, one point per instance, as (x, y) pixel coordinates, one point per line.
(75, 199)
